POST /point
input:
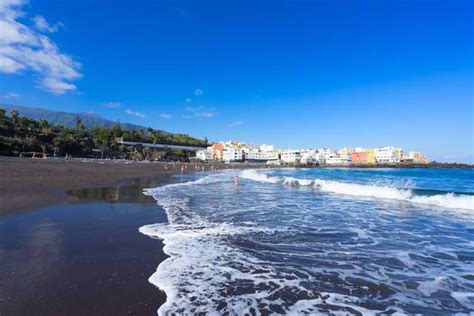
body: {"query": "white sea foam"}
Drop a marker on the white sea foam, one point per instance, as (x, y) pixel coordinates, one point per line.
(448, 200)
(465, 298)
(431, 286)
(200, 260)
(194, 253)
(211, 269)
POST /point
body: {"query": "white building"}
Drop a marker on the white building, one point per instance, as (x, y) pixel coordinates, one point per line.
(232, 154)
(290, 156)
(334, 159)
(309, 156)
(386, 155)
(204, 155)
(256, 155)
(326, 154)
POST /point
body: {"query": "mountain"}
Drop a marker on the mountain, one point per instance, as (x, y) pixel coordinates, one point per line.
(90, 120)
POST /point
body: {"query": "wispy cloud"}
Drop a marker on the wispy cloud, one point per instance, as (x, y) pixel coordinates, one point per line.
(188, 100)
(236, 123)
(194, 108)
(26, 48)
(165, 116)
(112, 105)
(198, 92)
(205, 114)
(133, 113)
(10, 95)
(42, 25)
(202, 112)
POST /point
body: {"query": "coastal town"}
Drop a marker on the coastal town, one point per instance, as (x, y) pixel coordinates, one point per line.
(235, 151)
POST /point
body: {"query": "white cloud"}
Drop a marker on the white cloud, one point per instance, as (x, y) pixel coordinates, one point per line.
(236, 123)
(8, 65)
(11, 95)
(165, 116)
(56, 86)
(205, 114)
(202, 112)
(198, 92)
(194, 108)
(188, 100)
(133, 113)
(42, 25)
(112, 105)
(23, 48)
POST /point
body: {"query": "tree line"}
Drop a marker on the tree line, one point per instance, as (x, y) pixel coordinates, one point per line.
(22, 136)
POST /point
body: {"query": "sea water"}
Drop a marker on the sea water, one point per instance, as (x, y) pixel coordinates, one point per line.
(311, 241)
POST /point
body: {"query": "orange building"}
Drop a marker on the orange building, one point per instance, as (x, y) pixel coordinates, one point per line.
(217, 151)
(359, 157)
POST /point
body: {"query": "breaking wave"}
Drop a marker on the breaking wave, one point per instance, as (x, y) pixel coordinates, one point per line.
(447, 200)
(252, 248)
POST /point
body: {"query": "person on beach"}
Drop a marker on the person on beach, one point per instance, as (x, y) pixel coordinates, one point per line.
(236, 180)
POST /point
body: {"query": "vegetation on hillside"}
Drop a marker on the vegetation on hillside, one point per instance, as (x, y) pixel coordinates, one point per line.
(21, 136)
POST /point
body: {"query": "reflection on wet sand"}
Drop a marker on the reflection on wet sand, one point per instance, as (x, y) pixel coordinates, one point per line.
(82, 258)
(129, 191)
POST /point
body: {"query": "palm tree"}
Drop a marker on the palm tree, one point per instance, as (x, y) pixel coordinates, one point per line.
(43, 147)
(14, 114)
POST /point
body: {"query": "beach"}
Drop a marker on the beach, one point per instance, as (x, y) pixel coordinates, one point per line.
(115, 237)
(69, 240)
(27, 183)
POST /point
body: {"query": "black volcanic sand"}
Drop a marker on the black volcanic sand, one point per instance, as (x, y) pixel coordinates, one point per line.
(27, 184)
(83, 258)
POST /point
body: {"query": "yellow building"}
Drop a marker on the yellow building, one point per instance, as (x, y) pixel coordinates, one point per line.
(345, 154)
(416, 156)
(370, 155)
(399, 152)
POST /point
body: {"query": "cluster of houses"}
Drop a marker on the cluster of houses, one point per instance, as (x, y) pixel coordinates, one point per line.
(234, 151)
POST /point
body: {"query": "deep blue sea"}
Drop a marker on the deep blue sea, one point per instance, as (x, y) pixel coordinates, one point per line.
(296, 241)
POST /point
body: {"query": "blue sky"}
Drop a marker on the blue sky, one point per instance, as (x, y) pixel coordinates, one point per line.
(289, 73)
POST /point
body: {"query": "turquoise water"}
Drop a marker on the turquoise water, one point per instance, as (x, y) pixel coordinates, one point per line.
(318, 241)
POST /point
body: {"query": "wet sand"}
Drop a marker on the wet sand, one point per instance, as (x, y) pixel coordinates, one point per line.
(83, 258)
(27, 184)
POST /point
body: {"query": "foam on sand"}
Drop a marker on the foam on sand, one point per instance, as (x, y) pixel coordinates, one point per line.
(200, 261)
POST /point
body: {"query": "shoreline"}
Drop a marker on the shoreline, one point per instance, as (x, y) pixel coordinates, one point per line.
(27, 184)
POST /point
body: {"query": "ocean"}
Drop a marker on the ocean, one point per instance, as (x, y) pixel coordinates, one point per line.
(312, 241)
